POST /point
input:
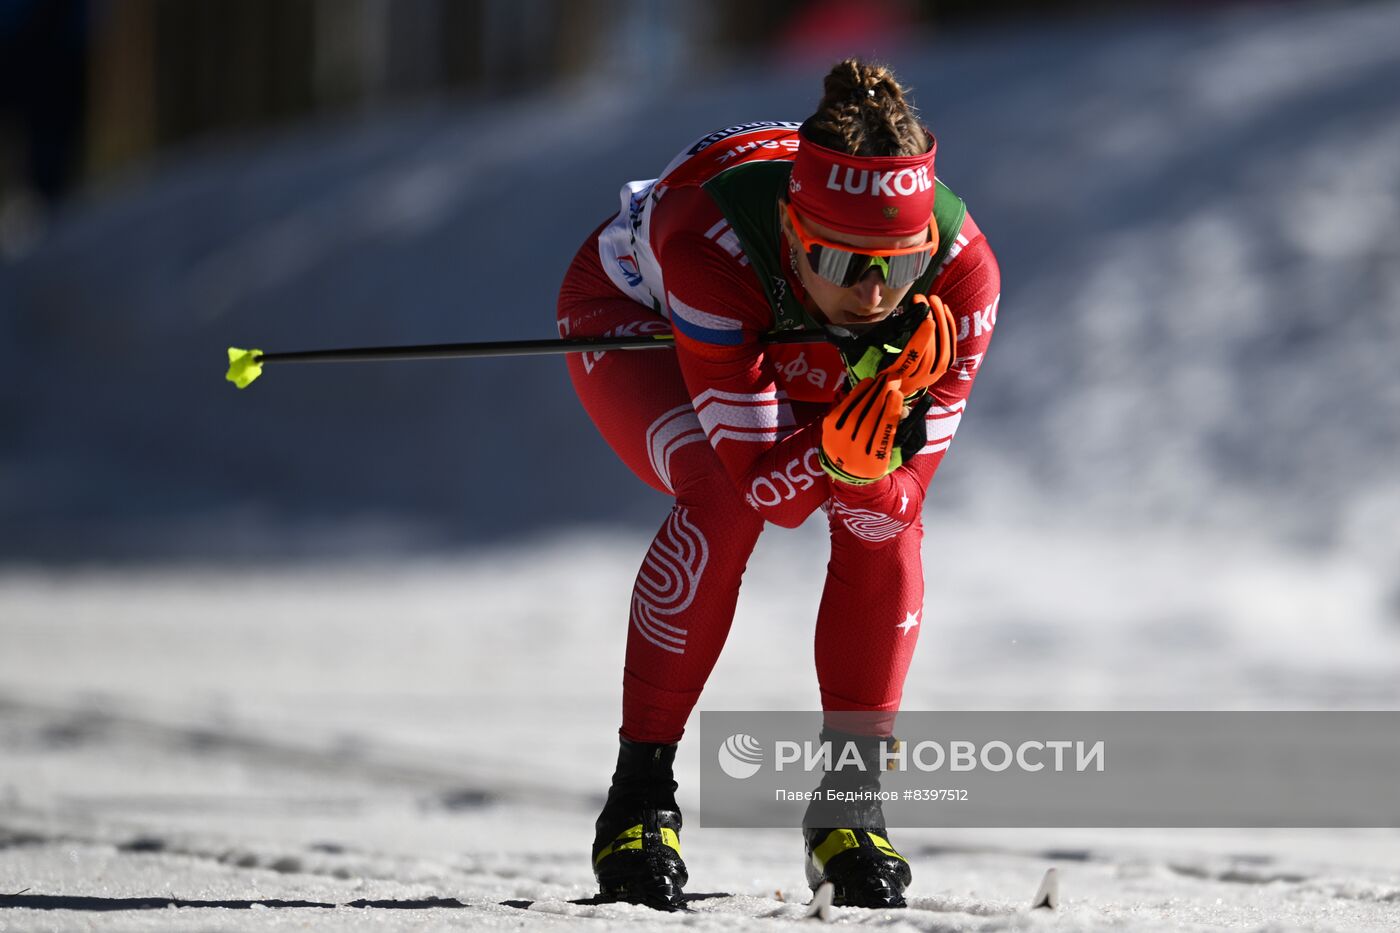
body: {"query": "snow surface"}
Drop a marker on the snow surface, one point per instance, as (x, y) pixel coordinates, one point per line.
(1176, 489)
(435, 738)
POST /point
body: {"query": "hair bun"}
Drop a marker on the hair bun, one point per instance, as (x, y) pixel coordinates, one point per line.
(863, 112)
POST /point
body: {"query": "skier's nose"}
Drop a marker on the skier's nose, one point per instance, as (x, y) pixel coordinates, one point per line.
(870, 289)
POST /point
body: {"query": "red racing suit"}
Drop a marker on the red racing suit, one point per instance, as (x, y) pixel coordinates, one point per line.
(731, 427)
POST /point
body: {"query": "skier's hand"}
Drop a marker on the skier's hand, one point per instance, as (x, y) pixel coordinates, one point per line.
(929, 351)
(916, 344)
(858, 433)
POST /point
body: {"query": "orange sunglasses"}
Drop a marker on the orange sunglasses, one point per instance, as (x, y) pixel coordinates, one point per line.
(840, 265)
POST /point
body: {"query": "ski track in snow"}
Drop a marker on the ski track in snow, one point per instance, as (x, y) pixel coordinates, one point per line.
(392, 746)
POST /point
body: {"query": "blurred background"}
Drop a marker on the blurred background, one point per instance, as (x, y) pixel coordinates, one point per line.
(1194, 205)
(1196, 208)
(327, 610)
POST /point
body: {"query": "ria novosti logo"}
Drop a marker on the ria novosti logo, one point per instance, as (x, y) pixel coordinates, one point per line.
(740, 756)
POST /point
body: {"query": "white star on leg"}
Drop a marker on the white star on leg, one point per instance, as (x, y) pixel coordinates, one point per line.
(911, 619)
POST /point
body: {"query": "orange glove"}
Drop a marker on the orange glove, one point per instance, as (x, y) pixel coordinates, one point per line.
(930, 350)
(858, 433)
(880, 348)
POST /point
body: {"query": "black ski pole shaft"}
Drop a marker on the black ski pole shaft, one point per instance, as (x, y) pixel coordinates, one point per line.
(443, 351)
(246, 365)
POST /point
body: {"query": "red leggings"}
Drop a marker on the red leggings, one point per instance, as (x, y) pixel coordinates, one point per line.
(686, 590)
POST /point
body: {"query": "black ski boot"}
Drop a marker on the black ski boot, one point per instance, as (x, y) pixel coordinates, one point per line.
(846, 840)
(637, 846)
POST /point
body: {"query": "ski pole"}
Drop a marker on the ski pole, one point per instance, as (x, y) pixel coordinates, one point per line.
(246, 365)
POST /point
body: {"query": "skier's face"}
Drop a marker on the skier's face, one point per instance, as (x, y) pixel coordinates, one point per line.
(869, 299)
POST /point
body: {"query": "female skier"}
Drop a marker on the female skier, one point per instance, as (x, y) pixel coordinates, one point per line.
(836, 225)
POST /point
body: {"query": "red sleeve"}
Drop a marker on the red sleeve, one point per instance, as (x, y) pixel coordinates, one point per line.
(718, 313)
(970, 284)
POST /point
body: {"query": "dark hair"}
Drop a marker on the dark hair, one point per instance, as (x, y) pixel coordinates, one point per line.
(863, 112)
